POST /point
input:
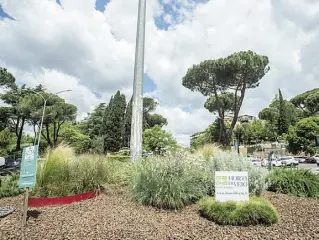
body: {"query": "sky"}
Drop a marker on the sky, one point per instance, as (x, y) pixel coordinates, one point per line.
(88, 46)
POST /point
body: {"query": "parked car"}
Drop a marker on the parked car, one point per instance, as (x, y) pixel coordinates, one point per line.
(256, 162)
(276, 163)
(288, 161)
(311, 160)
(2, 162)
(300, 159)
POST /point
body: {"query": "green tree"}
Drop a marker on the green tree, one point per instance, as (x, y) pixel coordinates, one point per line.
(282, 118)
(272, 113)
(92, 124)
(70, 133)
(158, 141)
(308, 102)
(225, 105)
(114, 123)
(6, 139)
(149, 119)
(301, 137)
(57, 113)
(235, 73)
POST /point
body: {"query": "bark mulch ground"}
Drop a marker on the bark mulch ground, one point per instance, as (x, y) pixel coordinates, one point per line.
(112, 216)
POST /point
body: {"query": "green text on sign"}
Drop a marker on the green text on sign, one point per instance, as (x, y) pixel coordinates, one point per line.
(28, 169)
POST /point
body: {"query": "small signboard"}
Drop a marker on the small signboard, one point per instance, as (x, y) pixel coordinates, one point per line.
(317, 140)
(231, 186)
(28, 167)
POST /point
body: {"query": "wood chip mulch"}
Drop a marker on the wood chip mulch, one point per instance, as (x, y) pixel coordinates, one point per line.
(112, 216)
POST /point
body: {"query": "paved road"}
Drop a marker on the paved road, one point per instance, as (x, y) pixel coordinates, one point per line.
(312, 166)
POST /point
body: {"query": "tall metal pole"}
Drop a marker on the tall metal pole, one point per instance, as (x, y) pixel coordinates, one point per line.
(41, 125)
(137, 108)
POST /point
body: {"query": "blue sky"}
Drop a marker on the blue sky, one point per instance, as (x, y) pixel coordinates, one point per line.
(171, 9)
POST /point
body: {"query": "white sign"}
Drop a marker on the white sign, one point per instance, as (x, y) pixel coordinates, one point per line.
(231, 186)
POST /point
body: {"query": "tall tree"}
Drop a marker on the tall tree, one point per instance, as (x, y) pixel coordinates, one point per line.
(149, 119)
(235, 73)
(282, 118)
(92, 124)
(308, 102)
(57, 113)
(225, 105)
(301, 137)
(114, 123)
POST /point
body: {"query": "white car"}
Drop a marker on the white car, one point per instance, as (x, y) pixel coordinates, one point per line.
(276, 163)
(288, 161)
(256, 162)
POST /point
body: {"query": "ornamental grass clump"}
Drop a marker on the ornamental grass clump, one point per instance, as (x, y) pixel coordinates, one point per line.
(298, 182)
(170, 181)
(255, 211)
(229, 161)
(63, 174)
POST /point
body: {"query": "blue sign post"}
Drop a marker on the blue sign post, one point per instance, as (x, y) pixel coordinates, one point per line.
(28, 169)
(28, 173)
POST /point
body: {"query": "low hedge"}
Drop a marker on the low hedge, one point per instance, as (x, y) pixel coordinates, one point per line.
(298, 182)
(118, 157)
(255, 211)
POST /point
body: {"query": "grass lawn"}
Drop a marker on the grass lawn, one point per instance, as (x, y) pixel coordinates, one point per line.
(112, 216)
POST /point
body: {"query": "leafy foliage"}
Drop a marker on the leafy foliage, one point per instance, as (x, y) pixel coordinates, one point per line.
(113, 123)
(9, 185)
(299, 182)
(170, 181)
(301, 137)
(308, 102)
(158, 141)
(236, 73)
(254, 132)
(255, 211)
(71, 134)
(282, 119)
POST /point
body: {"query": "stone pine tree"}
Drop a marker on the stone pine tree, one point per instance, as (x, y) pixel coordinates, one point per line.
(236, 73)
(282, 118)
(113, 123)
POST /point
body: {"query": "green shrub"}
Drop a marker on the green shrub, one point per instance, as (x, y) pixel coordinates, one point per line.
(170, 181)
(62, 173)
(255, 211)
(228, 161)
(9, 185)
(299, 182)
(119, 157)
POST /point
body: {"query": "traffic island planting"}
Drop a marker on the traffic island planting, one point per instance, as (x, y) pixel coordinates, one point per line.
(255, 211)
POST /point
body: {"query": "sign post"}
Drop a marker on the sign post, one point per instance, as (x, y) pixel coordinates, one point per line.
(317, 140)
(231, 186)
(28, 172)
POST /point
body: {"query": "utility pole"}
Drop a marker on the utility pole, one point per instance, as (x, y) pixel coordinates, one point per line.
(137, 107)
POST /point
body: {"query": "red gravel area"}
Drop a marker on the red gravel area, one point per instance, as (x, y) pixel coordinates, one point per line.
(113, 216)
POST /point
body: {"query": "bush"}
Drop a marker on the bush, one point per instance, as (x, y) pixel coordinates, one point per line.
(170, 181)
(9, 185)
(299, 182)
(227, 161)
(63, 174)
(255, 211)
(119, 157)
(207, 150)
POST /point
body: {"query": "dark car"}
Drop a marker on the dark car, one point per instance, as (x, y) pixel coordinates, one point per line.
(310, 160)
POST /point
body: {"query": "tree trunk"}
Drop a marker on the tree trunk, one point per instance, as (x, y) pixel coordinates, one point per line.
(48, 135)
(19, 136)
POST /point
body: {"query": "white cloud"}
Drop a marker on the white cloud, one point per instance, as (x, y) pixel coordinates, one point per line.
(75, 46)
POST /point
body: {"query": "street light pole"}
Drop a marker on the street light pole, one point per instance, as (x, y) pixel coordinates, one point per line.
(43, 112)
(137, 108)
